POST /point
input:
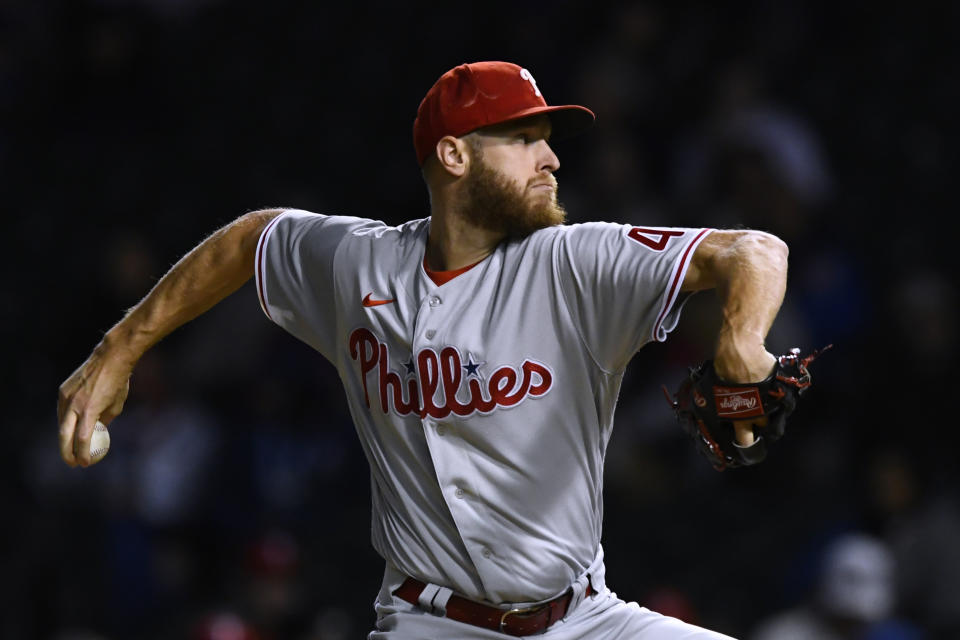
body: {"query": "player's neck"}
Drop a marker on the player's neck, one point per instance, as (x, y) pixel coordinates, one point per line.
(455, 243)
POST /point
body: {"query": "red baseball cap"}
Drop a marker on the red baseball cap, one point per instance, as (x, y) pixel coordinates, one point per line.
(480, 94)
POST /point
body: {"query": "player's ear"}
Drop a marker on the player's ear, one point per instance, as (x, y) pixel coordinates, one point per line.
(453, 156)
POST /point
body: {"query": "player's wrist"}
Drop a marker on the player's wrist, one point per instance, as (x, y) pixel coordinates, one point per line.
(121, 345)
(741, 356)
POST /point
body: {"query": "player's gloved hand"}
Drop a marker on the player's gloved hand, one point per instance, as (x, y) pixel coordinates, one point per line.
(733, 423)
(743, 364)
(95, 391)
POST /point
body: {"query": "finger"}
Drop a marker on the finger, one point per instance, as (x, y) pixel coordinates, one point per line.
(744, 433)
(64, 396)
(68, 425)
(82, 437)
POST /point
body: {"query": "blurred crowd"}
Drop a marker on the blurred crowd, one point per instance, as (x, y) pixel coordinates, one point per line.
(234, 503)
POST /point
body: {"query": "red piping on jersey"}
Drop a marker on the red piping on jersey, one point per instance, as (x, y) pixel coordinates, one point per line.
(443, 277)
(260, 289)
(676, 281)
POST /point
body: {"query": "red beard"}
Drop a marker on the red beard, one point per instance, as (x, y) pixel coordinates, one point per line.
(494, 202)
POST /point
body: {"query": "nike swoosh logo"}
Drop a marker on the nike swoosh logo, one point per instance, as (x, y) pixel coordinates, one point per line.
(367, 302)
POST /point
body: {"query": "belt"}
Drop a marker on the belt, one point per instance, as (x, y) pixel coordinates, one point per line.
(524, 621)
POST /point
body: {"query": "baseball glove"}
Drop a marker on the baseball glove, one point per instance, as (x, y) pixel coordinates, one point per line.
(707, 406)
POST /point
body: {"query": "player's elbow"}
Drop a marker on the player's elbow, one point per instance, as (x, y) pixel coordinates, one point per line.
(760, 246)
(773, 243)
(725, 253)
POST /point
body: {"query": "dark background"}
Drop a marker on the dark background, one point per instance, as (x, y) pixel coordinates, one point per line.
(235, 485)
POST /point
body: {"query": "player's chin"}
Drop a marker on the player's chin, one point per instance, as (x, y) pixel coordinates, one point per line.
(541, 199)
(543, 195)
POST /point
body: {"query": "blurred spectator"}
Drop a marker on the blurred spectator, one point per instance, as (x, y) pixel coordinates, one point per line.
(129, 267)
(672, 602)
(158, 480)
(332, 623)
(919, 516)
(272, 589)
(921, 324)
(925, 312)
(854, 599)
(620, 74)
(751, 160)
(223, 625)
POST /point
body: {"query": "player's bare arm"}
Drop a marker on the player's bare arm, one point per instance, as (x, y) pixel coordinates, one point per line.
(748, 269)
(217, 267)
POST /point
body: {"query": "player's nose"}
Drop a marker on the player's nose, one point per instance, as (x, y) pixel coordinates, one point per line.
(547, 160)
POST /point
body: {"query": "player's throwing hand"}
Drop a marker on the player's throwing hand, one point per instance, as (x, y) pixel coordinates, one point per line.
(95, 391)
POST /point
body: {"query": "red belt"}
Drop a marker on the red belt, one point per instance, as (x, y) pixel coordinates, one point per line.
(513, 622)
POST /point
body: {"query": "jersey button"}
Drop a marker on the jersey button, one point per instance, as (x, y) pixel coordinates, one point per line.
(430, 334)
(486, 552)
(441, 429)
(458, 493)
(434, 301)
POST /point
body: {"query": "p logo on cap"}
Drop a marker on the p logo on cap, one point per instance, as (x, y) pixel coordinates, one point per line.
(480, 94)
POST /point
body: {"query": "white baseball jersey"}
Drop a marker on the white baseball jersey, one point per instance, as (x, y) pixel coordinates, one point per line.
(484, 405)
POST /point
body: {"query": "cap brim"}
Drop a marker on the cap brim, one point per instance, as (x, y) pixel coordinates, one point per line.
(565, 120)
(569, 120)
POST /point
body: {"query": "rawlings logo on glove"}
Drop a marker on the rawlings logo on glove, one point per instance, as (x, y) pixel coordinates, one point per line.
(737, 403)
(707, 407)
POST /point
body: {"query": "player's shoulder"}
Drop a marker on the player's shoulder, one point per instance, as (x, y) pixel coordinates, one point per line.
(389, 246)
(405, 235)
(354, 226)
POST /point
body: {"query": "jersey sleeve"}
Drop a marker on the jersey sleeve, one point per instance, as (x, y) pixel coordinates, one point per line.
(294, 273)
(622, 284)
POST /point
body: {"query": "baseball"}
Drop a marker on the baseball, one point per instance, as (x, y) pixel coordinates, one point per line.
(99, 443)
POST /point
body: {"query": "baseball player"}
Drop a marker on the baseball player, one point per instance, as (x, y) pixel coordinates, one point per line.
(481, 351)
